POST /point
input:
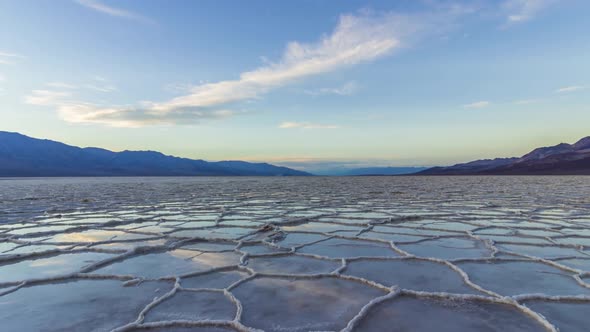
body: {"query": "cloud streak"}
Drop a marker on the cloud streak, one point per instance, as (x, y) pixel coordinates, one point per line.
(519, 11)
(112, 11)
(572, 88)
(74, 111)
(7, 58)
(306, 125)
(347, 89)
(478, 104)
(356, 39)
(61, 85)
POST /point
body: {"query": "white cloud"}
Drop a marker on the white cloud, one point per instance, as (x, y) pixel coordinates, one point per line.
(8, 58)
(10, 55)
(523, 10)
(101, 88)
(73, 110)
(178, 87)
(46, 97)
(478, 104)
(306, 125)
(571, 88)
(61, 85)
(112, 11)
(344, 90)
(526, 101)
(356, 39)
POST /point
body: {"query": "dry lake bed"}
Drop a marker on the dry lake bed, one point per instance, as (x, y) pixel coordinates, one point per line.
(295, 254)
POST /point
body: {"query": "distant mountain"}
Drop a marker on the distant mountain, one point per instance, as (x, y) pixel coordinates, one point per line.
(360, 171)
(21, 155)
(470, 167)
(561, 159)
(382, 171)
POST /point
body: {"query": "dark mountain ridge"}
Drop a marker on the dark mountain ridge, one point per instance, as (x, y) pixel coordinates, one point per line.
(560, 159)
(21, 155)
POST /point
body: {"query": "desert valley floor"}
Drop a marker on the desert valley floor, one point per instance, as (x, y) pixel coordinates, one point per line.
(295, 254)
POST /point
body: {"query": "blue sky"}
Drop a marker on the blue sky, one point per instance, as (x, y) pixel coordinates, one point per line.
(299, 83)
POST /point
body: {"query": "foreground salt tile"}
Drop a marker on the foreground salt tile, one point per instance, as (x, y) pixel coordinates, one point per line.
(215, 233)
(337, 248)
(206, 246)
(261, 249)
(577, 263)
(445, 315)
(419, 275)
(170, 263)
(291, 264)
(48, 266)
(189, 305)
(217, 279)
(397, 238)
(302, 304)
(321, 227)
(16, 249)
(296, 239)
(448, 248)
(77, 305)
(541, 251)
(184, 329)
(567, 316)
(514, 278)
(96, 235)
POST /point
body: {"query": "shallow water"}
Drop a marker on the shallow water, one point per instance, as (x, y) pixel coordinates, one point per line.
(295, 254)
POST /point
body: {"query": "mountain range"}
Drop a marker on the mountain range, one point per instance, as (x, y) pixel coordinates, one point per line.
(362, 171)
(561, 159)
(24, 156)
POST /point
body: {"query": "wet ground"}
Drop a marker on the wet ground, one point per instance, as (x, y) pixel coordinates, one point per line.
(295, 254)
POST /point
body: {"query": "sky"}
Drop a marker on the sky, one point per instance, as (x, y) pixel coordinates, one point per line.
(307, 84)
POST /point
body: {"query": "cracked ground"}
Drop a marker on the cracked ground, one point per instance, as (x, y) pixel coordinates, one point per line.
(295, 254)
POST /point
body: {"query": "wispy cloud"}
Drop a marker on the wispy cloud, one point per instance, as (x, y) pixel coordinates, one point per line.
(356, 39)
(527, 101)
(61, 85)
(94, 87)
(518, 11)
(478, 104)
(10, 55)
(8, 58)
(100, 88)
(113, 11)
(74, 111)
(347, 89)
(306, 125)
(571, 88)
(46, 97)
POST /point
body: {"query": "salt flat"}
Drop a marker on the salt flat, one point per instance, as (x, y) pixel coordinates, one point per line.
(295, 254)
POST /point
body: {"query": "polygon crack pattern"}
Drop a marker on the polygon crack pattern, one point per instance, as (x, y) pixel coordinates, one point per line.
(295, 254)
